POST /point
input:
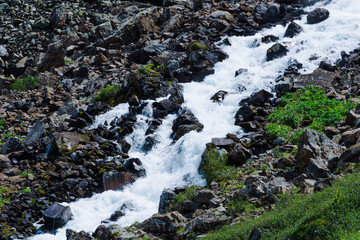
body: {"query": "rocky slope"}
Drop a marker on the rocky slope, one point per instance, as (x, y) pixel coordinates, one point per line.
(137, 51)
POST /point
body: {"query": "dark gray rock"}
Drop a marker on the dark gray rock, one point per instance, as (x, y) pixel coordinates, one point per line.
(352, 154)
(166, 198)
(203, 196)
(317, 168)
(12, 144)
(82, 235)
(219, 96)
(223, 142)
(292, 30)
(245, 113)
(57, 215)
(134, 166)
(128, 205)
(54, 57)
(317, 15)
(185, 123)
(114, 180)
(238, 155)
(259, 98)
(276, 51)
(35, 133)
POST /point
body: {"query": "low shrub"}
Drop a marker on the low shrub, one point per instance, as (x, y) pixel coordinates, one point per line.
(181, 197)
(107, 93)
(25, 83)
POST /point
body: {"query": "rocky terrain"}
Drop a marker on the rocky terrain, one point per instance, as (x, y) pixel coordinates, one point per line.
(64, 62)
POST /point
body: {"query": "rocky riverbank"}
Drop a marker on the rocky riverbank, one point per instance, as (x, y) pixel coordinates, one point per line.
(64, 62)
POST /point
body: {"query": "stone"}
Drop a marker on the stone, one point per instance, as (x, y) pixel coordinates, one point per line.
(197, 4)
(238, 155)
(12, 144)
(269, 39)
(114, 180)
(331, 131)
(185, 123)
(350, 137)
(219, 96)
(3, 51)
(318, 77)
(276, 51)
(134, 166)
(127, 206)
(240, 71)
(166, 198)
(222, 142)
(73, 235)
(259, 98)
(317, 146)
(203, 196)
(352, 154)
(4, 162)
(191, 206)
(317, 169)
(165, 107)
(164, 224)
(245, 113)
(57, 215)
(292, 30)
(54, 57)
(35, 133)
(317, 15)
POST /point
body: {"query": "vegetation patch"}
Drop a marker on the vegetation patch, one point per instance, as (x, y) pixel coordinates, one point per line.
(307, 107)
(331, 214)
(25, 83)
(2, 123)
(149, 69)
(108, 93)
(181, 197)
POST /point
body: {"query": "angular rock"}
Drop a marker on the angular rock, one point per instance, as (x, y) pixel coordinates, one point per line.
(204, 196)
(128, 205)
(317, 169)
(166, 198)
(276, 51)
(4, 162)
(318, 77)
(82, 235)
(54, 57)
(165, 107)
(35, 132)
(222, 142)
(317, 146)
(238, 155)
(352, 154)
(219, 96)
(292, 30)
(317, 15)
(57, 215)
(350, 137)
(185, 123)
(12, 144)
(259, 98)
(240, 71)
(114, 180)
(134, 166)
(245, 113)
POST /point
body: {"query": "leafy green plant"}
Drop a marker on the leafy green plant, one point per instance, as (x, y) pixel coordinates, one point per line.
(26, 190)
(238, 205)
(2, 122)
(331, 214)
(107, 93)
(307, 107)
(68, 61)
(149, 69)
(26, 173)
(25, 83)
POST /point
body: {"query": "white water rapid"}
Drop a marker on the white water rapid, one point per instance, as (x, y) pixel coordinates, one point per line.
(170, 165)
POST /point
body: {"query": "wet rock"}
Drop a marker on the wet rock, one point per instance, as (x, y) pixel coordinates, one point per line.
(292, 30)
(269, 39)
(165, 107)
(57, 215)
(185, 123)
(240, 71)
(82, 235)
(268, 13)
(317, 15)
(245, 113)
(35, 132)
(127, 206)
(163, 224)
(317, 146)
(54, 57)
(12, 144)
(134, 166)
(114, 180)
(219, 96)
(276, 51)
(166, 198)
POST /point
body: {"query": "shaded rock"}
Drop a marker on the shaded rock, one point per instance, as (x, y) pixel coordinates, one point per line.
(166, 198)
(276, 51)
(259, 98)
(222, 142)
(54, 57)
(58, 18)
(57, 215)
(350, 137)
(203, 196)
(331, 131)
(317, 169)
(35, 132)
(190, 206)
(269, 39)
(185, 123)
(317, 146)
(114, 180)
(352, 154)
(4, 162)
(197, 4)
(240, 71)
(103, 232)
(268, 13)
(277, 186)
(255, 234)
(245, 113)
(352, 118)
(292, 30)
(12, 144)
(134, 166)
(238, 155)
(165, 107)
(219, 96)
(163, 224)
(128, 205)
(317, 15)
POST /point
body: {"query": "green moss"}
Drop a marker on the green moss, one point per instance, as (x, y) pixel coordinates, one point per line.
(307, 107)
(331, 214)
(108, 93)
(25, 83)
(2, 122)
(195, 46)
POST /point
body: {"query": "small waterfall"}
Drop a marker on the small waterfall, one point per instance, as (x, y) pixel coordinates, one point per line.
(171, 164)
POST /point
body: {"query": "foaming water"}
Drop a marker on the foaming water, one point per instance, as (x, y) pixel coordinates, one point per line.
(171, 164)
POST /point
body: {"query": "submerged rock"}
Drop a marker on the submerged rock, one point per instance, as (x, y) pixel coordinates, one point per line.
(317, 15)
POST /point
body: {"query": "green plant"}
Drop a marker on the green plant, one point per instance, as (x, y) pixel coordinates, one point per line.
(107, 93)
(238, 205)
(26, 173)
(26, 190)
(68, 60)
(25, 83)
(149, 69)
(307, 107)
(181, 197)
(198, 46)
(2, 122)
(331, 214)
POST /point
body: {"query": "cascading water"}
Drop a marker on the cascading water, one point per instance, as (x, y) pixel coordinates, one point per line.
(171, 164)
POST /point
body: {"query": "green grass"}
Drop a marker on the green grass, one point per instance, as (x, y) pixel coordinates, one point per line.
(331, 214)
(2, 122)
(181, 197)
(307, 107)
(107, 93)
(25, 83)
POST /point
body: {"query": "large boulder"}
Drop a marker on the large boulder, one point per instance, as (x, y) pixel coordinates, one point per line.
(12, 144)
(113, 180)
(292, 30)
(163, 108)
(313, 145)
(318, 77)
(276, 51)
(185, 123)
(57, 215)
(35, 133)
(259, 98)
(54, 57)
(166, 198)
(352, 154)
(317, 15)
